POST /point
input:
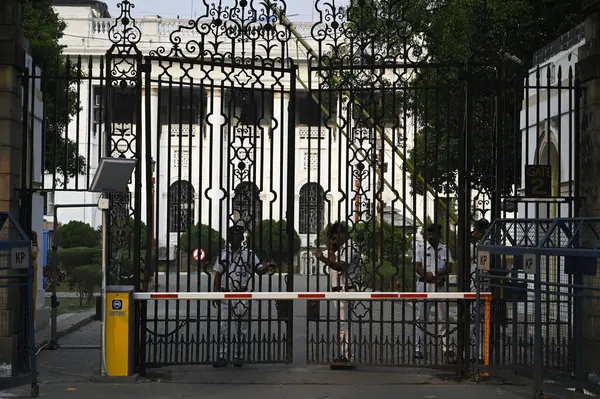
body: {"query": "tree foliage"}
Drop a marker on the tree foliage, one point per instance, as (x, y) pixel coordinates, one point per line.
(86, 280)
(70, 258)
(391, 263)
(77, 234)
(270, 241)
(43, 28)
(470, 30)
(441, 43)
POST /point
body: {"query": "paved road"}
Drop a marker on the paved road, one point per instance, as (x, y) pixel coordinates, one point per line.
(259, 391)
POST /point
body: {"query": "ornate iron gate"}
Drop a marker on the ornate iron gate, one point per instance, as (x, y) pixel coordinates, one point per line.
(245, 118)
(219, 141)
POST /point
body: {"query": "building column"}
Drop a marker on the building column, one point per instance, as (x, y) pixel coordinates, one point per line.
(154, 112)
(217, 159)
(279, 153)
(153, 137)
(588, 70)
(12, 62)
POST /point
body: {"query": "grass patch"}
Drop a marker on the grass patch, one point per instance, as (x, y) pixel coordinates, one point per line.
(69, 305)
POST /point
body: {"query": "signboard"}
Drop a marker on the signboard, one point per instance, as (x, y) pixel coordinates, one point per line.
(19, 258)
(529, 263)
(538, 181)
(202, 254)
(484, 260)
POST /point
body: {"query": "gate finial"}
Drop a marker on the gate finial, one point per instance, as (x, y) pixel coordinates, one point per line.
(124, 34)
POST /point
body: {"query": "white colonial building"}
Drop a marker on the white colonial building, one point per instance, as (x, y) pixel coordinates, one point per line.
(549, 137)
(548, 123)
(198, 174)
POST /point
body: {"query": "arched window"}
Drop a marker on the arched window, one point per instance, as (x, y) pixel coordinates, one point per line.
(247, 206)
(181, 206)
(312, 204)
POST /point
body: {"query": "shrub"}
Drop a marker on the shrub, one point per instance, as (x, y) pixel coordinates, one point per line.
(86, 279)
(70, 258)
(77, 234)
(270, 241)
(202, 236)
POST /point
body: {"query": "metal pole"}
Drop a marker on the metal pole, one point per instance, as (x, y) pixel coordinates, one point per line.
(103, 321)
(54, 275)
(538, 371)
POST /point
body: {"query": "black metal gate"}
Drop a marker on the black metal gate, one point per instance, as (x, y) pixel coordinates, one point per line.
(244, 118)
(216, 133)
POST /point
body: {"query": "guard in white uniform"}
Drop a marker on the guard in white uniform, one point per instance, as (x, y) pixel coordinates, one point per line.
(234, 269)
(345, 264)
(433, 263)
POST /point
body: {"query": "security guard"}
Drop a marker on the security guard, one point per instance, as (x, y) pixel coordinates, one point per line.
(433, 263)
(345, 264)
(237, 265)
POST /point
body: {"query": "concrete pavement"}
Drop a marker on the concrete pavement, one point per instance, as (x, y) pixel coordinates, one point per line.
(261, 391)
(74, 373)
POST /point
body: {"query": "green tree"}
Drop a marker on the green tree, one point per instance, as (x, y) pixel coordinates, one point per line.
(438, 38)
(77, 234)
(464, 30)
(395, 263)
(43, 28)
(70, 258)
(270, 241)
(202, 236)
(86, 279)
(83, 270)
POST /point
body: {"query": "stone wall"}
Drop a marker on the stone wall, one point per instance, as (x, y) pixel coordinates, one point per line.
(588, 71)
(12, 62)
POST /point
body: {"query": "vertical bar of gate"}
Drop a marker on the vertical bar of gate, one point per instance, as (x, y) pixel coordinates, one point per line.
(149, 209)
(578, 277)
(290, 208)
(513, 92)
(538, 352)
(464, 217)
(78, 117)
(25, 193)
(137, 222)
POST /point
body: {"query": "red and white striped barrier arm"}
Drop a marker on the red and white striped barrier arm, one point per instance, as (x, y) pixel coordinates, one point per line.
(347, 296)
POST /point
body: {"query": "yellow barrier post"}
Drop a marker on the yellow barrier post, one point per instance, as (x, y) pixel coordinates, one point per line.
(486, 335)
(119, 325)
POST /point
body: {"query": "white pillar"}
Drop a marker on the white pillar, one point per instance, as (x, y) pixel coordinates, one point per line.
(141, 135)
(279, 153)
(217, 162)
(154, 113)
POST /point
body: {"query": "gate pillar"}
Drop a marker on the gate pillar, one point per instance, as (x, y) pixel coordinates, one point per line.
(12, 64)
(588, 72)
